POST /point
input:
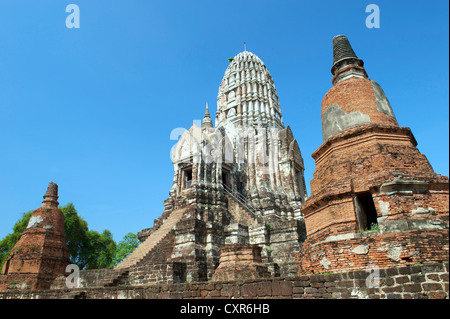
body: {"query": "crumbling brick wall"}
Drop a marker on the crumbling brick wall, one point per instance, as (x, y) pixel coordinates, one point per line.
(427, 281)
(373, 248)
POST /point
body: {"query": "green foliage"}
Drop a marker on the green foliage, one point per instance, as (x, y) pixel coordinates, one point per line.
(102, 249)
(125, 247)
(7, 243)
(230, 59)
(373, 226)
(88, 248)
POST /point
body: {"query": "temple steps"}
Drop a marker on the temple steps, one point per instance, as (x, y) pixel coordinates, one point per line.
(152, 240)
(241, 213)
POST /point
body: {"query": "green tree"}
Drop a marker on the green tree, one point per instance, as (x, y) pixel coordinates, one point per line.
(101, 249)
(7, 243)
(125, 247)
(88, 248)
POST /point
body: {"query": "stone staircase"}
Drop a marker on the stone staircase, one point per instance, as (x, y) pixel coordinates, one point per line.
(240, 213)
(156, 237)
(241, 199)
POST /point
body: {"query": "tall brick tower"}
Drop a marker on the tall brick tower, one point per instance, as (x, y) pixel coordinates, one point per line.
(375, 199)
(41, 254)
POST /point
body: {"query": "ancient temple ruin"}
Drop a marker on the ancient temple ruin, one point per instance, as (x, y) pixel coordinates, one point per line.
(238, 182)
(41, 254)
(375, 199)
(238, 207)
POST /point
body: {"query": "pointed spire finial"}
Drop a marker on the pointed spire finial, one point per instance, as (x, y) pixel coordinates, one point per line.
(51, 196)
(343, 53)
(245, 46)
(207, 122)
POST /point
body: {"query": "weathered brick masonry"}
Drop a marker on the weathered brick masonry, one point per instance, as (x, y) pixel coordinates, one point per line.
(239, 262)
(369, 249)
(428, 281)
(242, 229)
(41, 254)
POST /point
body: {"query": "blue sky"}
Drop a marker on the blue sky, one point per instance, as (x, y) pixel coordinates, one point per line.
(92, 109)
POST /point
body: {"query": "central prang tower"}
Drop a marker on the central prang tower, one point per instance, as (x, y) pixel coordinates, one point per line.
(239, 182)
(268, 167)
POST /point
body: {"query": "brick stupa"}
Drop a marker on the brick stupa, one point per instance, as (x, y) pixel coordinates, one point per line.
(375, 199)
(41, 254)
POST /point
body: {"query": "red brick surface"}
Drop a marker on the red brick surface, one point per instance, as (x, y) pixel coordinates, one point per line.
(239, 262)
(40, 255)
(356, 94)
(383, 251)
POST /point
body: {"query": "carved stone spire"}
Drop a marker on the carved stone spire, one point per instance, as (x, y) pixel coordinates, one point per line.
(247, 94)
(345, 62)
(207, 122)
(51, 196)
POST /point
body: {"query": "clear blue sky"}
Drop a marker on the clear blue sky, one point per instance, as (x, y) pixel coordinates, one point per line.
(92, 109)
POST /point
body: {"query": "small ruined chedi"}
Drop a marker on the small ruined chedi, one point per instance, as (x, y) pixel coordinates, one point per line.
(375, 199)
(238, 207)
(41, 254)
